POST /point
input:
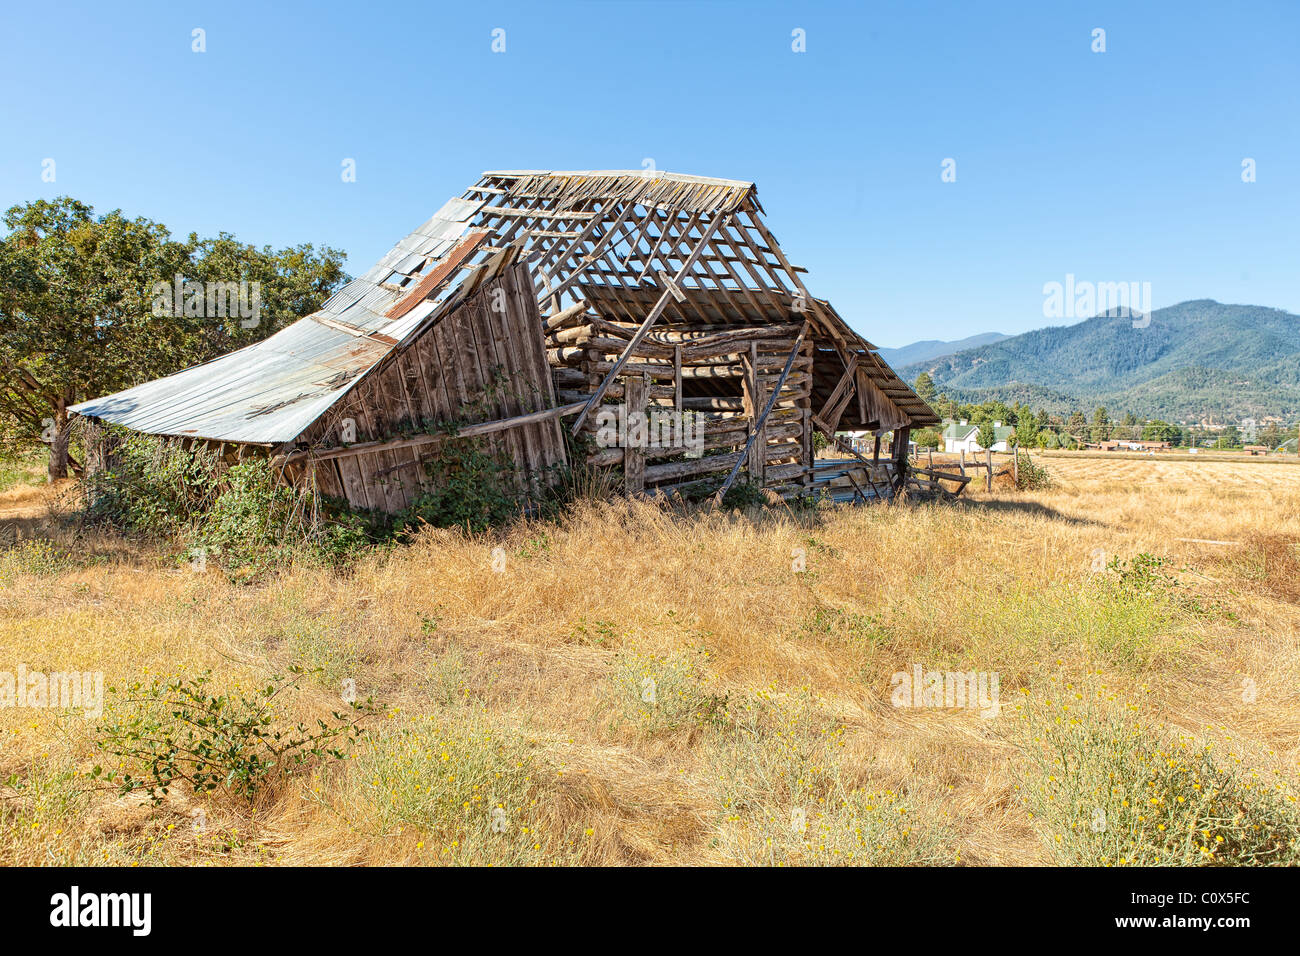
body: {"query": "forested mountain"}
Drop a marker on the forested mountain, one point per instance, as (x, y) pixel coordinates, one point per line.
(1195, 360)
(931, 349)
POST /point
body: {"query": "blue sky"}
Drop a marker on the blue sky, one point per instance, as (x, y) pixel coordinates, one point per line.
(1116, 166)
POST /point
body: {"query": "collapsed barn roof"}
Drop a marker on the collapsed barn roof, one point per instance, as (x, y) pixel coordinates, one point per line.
(628, 242)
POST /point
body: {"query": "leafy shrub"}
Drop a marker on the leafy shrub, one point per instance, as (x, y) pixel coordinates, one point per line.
(466, 488)
(1031, 476)
(1143, 582)
(1143, 574)
(242, 513)
(744, 494)
(182, 730)
(341, 536)
(250, 508)
(152, 486)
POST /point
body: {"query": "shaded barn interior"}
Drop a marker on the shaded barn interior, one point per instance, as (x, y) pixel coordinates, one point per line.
(536, 309)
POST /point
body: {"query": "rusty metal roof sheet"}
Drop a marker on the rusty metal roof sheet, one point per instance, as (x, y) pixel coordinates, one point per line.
(269, 392)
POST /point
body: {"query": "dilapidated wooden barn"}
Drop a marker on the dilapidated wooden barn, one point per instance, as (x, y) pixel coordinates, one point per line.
(652, 314)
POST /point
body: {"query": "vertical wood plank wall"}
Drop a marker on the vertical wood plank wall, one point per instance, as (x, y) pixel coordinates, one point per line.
(482, 362)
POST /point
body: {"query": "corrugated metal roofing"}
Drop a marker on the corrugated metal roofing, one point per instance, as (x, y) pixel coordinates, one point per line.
(269, 392)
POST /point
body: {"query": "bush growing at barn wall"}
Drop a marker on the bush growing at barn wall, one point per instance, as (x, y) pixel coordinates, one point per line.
(241, 513)
(250, 508)
(466, 488)
(152, 486)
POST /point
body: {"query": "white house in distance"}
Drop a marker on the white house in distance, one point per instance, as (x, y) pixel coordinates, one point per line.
(863, 442)
(964, 437)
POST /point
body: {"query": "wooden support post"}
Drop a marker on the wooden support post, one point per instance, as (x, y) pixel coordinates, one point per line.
(677, 377)
(809, 452)
(839, 398)
(988, 453)
(963, 460)
(767, 410)
(875, 456)
(636, 391)
(757, 459)
(901, 436)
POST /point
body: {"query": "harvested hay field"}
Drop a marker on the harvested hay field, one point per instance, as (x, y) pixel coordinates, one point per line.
(634, 685)
(1174, 469)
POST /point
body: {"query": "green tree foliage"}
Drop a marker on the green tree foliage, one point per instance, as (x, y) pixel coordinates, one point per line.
(925, 389)
(80, 315)
(1230, 437)
(928, 438)
(1100, 430)
(1161, 431)
(1076, 424)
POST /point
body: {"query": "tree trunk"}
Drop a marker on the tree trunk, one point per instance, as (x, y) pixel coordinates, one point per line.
(59, 443)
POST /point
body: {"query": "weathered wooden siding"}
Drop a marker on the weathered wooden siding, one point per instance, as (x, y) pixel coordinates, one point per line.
(485, 361)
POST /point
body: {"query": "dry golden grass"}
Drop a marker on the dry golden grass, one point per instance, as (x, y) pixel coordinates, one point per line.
(770, 737)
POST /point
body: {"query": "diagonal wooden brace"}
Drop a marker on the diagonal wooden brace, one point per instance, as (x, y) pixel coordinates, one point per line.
(650, 319)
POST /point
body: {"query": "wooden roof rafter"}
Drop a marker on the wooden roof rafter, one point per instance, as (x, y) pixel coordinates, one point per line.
(642, 232)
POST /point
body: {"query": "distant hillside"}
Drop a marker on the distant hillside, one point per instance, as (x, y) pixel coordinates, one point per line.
(932, 349)
(1194, 359)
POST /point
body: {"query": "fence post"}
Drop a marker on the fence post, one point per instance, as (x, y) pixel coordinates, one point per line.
(988, 453)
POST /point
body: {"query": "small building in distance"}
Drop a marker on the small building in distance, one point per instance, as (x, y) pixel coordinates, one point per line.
(964, 437)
